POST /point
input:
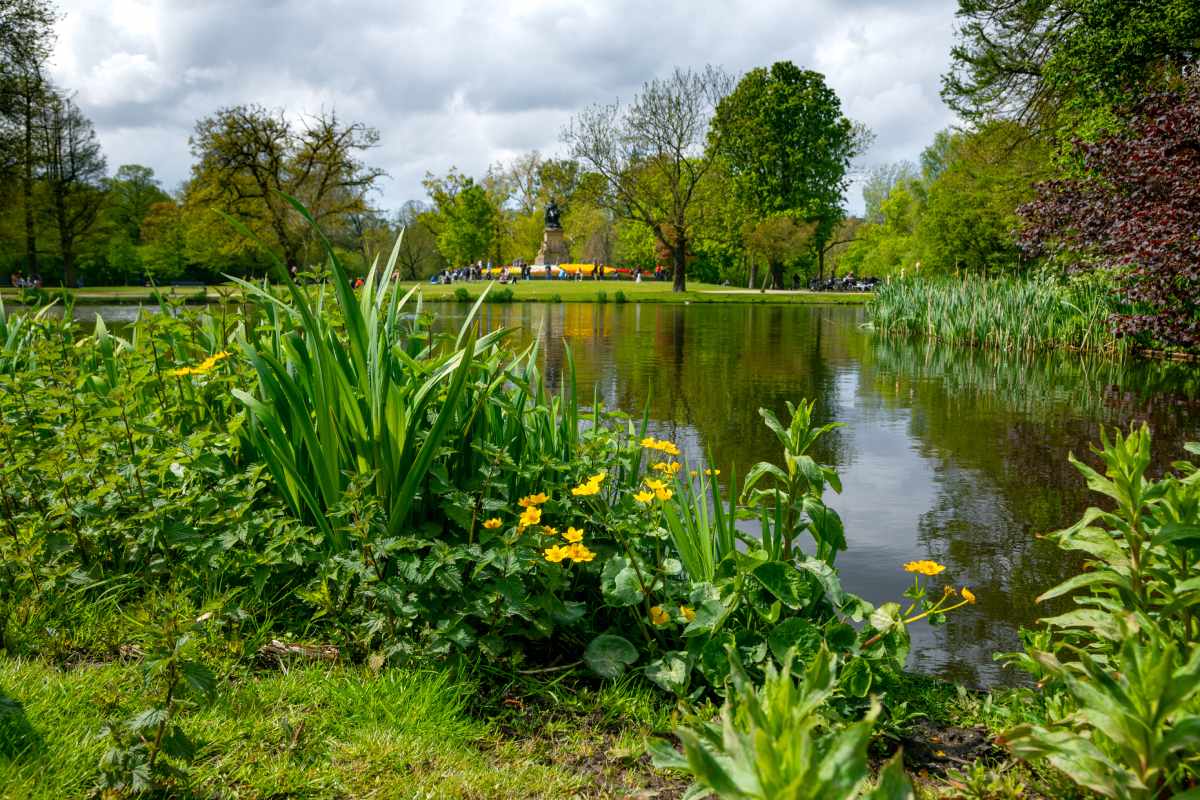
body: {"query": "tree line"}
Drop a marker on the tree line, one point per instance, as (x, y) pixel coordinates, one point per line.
(709, 176)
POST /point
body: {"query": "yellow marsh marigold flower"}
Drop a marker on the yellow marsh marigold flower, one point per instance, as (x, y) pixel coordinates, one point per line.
(546, 529)
(663, 494)
(968, 595)
(650, 442)
(644, 497)
(668, 448)
(212, 360)
(586, 489)
(533, 500)
(573, 535)
(555, 554)
(655, 485)
(924, 567)
(688, 612)
(713, 472)
(579, 552)
(531, 516)
(692, 473)
(492, 523)
(661, 466)
(598, 477)
(658, 616)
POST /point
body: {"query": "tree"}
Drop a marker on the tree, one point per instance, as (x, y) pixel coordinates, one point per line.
(164, 255)
(1135, 212)
(1050, 62)
(418, 256)
(73, 171)
(880, 181)
(969, 217)
(249, 157)
(777, 240)
(26, 40)
(131, 193)
(789, 147)
(467, 225)
(651, 154)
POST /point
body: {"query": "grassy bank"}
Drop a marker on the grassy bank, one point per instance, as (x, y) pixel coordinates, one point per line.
(1006, 314)
(336, 731)
(531, 291)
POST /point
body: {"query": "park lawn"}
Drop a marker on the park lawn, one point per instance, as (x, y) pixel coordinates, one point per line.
(524, 291)
(339, 731)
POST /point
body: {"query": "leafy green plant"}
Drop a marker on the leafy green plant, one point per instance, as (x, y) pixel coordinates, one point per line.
(775, 742)
(1136, 730)
(504, 294)
(793, 504)
(462, 295)
(150, 749)
(602, 296)
(619, 297)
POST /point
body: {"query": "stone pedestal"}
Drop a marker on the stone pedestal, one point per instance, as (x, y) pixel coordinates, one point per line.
(554, 248)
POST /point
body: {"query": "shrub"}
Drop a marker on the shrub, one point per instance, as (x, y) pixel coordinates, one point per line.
(462, 295)
(602, 296)
(504, 294)
(619, 297)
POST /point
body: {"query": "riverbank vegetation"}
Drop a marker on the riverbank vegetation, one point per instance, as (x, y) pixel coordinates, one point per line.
(324, 480)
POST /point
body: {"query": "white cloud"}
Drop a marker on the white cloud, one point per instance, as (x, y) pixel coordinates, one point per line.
(467, 84)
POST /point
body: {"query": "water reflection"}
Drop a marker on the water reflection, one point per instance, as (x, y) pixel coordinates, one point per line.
(949, 454)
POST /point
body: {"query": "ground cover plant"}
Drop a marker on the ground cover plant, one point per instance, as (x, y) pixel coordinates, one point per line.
(318, 476)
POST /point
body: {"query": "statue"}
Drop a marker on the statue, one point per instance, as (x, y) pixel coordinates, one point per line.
(552, 213)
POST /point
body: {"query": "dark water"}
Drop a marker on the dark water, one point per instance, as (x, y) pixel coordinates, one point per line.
(948, 454)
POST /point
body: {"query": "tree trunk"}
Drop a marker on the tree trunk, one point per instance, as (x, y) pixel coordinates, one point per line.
(753, 275)
(66, 242)
(679, 260)
(821, 263)
(31, 259)
(776, 274)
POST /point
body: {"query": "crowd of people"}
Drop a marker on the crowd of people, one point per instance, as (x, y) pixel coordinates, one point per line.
(521, 271)
(19, 281)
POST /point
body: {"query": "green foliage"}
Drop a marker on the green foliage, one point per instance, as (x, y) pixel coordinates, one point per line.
(620, 297)
(468, 225)
(461, 295)
(777, 742)
(1122, 670)
(1008, 314)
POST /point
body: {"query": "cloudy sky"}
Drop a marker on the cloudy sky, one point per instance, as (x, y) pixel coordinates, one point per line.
(468, 84)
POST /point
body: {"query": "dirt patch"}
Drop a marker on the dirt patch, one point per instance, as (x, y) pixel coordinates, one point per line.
(934, 749)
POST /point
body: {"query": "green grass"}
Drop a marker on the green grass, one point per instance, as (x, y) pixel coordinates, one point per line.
(338, 732)
(531, 291)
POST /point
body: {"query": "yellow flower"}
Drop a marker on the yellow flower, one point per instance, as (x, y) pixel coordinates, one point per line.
(573, 535)
(579, 552)
(650, 442)
(531, 516)
(533, 500)
(712, 472)
(643, 497)
(586, 489)
(658, 616)
(663, 494)
(655, 485)
(556, 553)
(968, 595)
(549, 531)
(688, 613)
(692, 473)
(492, 523)
(212, 360)
(929, 568)
(598, 477)
(668, 448)
(661, 466)
(183, 371)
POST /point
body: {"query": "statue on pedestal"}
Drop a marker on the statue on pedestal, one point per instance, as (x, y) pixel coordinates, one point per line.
(552, 216)
(554, 244)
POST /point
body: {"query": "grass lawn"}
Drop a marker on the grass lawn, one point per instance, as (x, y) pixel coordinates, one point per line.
(324, 732)
(525, 291)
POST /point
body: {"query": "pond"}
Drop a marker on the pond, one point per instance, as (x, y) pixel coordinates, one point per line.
(950, 454)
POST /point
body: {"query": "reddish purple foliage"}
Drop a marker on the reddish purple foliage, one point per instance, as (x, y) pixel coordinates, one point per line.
(1138, 211)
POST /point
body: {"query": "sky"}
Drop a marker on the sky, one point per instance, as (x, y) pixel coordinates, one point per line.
(463, 84)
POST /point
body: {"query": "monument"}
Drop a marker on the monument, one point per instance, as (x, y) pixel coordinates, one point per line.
(554, 244)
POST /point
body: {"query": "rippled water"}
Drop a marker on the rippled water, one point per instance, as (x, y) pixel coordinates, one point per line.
(949, 454)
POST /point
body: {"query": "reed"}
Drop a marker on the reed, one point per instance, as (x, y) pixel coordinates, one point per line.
(1005, 313)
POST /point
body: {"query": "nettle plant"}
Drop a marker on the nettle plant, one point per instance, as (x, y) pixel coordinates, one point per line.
(1120, 674)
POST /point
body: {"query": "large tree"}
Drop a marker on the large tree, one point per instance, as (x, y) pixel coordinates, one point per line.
(26, 41)
(1135, 212)
(1064, 62)
(789, 148)
(651, 154)
(248, 157)
(466, 225)
(131, 193)
(73, 170)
